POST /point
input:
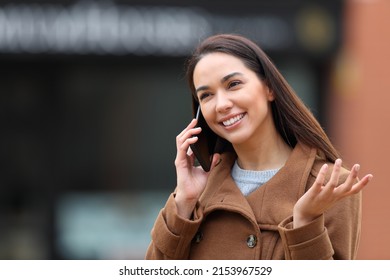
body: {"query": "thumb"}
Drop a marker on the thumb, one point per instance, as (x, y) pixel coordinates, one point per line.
(216, 160)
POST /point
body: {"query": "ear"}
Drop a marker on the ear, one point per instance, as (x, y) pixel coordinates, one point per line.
(270, 94)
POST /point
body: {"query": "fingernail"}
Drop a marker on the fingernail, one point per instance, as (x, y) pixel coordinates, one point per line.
(357, 167)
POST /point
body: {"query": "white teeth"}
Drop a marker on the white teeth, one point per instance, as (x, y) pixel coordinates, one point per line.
(233, 120)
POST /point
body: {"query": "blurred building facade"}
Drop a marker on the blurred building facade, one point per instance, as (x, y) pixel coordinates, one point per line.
(358, 113)
(93, 95)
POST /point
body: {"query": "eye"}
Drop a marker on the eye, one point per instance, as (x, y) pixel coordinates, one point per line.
(204, 95)
(234, 83)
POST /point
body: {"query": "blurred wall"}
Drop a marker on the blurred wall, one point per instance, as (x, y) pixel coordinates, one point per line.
(359, 114)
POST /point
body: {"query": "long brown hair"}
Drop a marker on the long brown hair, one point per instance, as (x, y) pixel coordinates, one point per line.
(293, 120)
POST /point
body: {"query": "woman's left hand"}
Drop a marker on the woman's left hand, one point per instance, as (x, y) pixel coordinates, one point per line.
(321, 197)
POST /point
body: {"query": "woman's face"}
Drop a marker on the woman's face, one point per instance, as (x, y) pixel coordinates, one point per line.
(234, 101)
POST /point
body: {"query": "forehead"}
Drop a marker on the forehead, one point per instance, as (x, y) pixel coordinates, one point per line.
(217, 65)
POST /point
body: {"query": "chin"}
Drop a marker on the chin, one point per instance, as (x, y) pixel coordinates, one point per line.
(236, 140)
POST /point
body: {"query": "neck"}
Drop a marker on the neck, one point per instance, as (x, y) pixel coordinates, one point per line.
(269, 152)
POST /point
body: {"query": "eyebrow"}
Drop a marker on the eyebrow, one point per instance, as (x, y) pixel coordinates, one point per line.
(224, 79)
(227, 77)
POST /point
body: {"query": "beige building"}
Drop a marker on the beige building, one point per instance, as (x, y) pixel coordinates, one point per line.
(359, 114)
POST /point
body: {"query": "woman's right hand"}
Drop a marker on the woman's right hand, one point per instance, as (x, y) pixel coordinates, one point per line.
(191, 180)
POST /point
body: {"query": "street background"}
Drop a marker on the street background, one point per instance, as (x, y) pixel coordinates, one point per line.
(93, 94)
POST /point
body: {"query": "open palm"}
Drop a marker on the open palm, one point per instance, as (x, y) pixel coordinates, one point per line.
(321, 196)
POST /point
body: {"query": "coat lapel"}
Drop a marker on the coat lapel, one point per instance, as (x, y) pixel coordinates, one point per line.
(221, 191)
(275, 200)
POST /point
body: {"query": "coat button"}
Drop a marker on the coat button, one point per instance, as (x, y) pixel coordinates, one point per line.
(251, 241)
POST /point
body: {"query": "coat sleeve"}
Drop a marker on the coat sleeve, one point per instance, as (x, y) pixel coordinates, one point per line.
(334, 235)
(171, 234)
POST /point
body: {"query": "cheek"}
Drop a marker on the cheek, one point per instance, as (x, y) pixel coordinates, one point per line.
(209, 115)
(207, 111)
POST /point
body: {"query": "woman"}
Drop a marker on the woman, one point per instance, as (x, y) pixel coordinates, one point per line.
(278, 190)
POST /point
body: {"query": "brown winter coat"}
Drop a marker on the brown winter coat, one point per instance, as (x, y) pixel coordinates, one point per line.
(227, 225)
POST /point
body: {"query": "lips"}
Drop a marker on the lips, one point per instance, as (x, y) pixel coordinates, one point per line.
(231, 121)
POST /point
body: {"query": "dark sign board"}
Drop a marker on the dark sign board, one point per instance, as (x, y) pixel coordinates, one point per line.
(112, 28)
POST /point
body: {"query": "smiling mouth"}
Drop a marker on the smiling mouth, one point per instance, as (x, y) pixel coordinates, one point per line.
(232, 120)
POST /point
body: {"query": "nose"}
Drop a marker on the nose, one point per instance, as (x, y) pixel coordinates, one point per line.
(223, 103)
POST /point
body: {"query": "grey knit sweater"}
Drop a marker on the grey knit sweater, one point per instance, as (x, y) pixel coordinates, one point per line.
(249, 180)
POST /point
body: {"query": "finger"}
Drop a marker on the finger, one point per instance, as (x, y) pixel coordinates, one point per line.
(190, 152)
(351, 179)
(186, 140)
(215, 161)
(320, 180)
(183, 149)
(186, 144)
(192, 124)
(191, 157)
(361, 184)
(184, 153)
(334, 177)
(188, 134)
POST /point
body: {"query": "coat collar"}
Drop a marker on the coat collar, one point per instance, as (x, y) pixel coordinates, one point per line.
(269, 204)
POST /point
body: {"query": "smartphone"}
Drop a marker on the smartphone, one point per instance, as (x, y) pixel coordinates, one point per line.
(205, 147)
